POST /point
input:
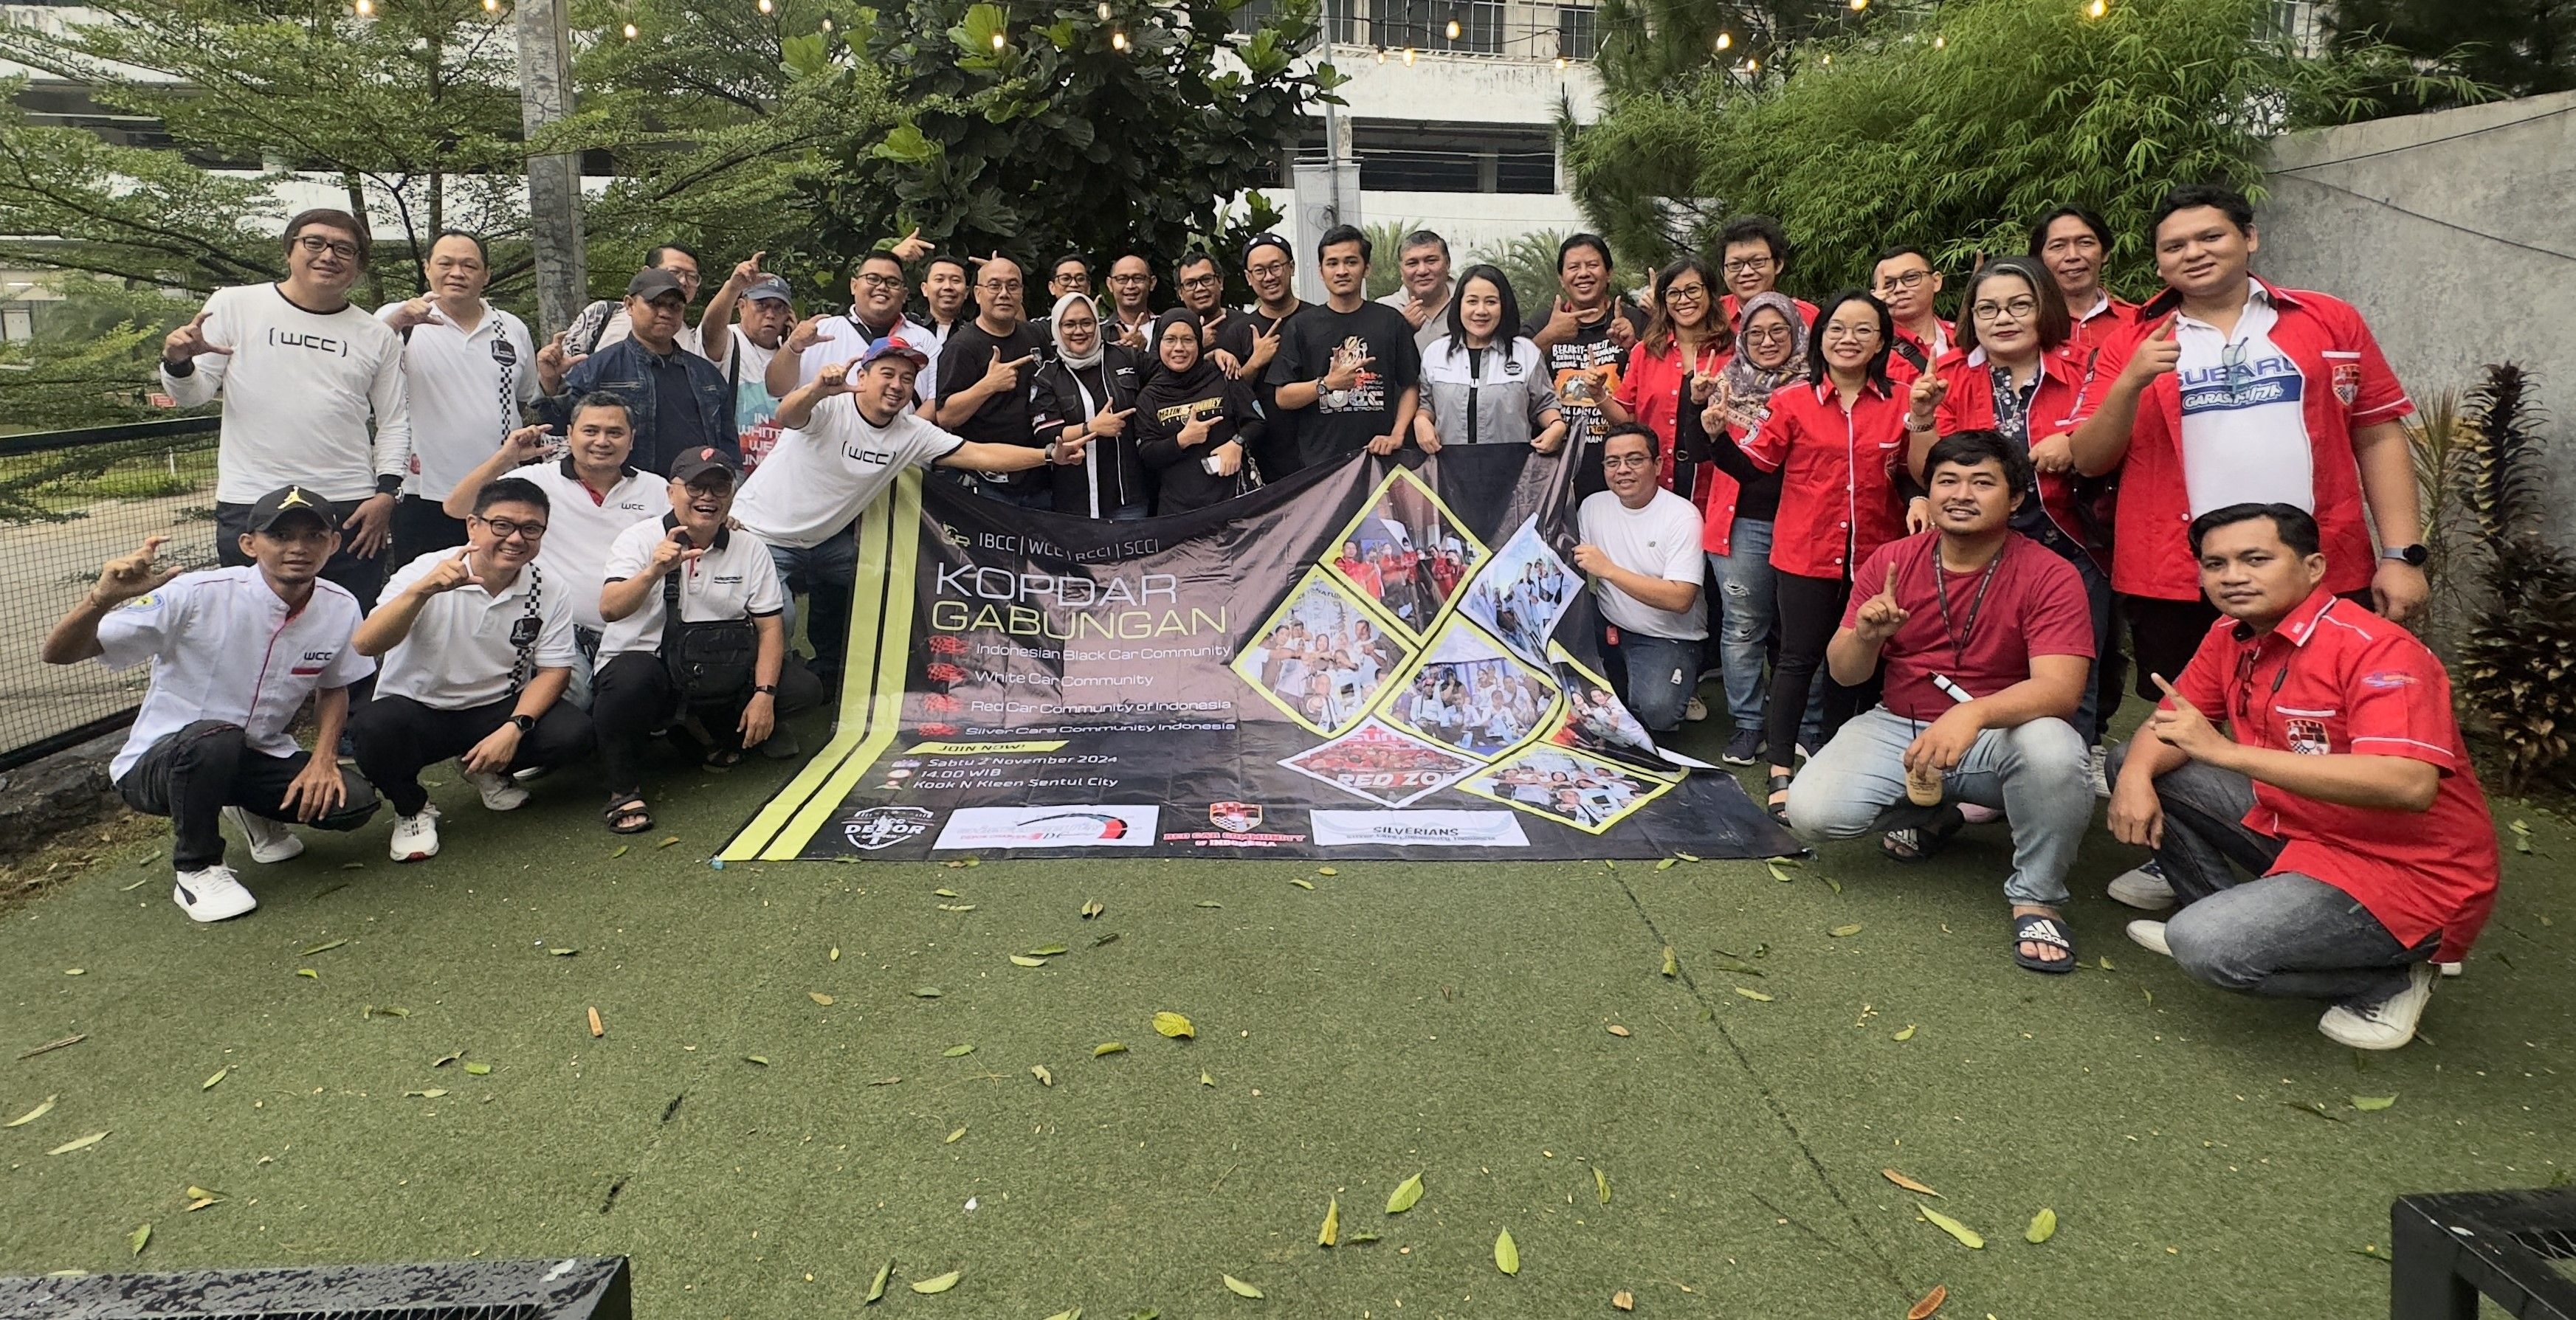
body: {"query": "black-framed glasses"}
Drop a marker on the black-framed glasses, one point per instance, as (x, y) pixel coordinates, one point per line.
(315, 245)
(1001, 286)
(1769, 334)
(1202, 281)
(2019, 309)
(503, 529)
(1746, 265)
(1910, 279)
(1686, 293)
(1267, 268)
(882, 281)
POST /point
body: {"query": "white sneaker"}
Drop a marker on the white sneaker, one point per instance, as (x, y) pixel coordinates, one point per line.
(1696, 711)
(2145, 888)
(211, 894)
(2451, 969)
(500, 792)
(270, 841)
(416, 837)
(2385, 1025)
(2101, 771)
(2150, 935)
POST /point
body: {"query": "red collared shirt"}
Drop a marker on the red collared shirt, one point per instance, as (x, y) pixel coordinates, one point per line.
(2344, 385)
(1901, 369)
(2336, 679)
(1732, 308)
(1837, 484)
(2062, 401)
(1652, 391)
(2094, 330)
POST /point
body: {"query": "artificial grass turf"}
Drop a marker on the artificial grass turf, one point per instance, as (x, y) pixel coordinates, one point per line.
(1435, 1016)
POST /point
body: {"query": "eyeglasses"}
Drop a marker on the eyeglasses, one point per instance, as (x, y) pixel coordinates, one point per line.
(1908, 280)
(2019, 309)
(1130, 279)
(1771, 334)
(882, 281)
(1686, 293)
(1747, 265)
(503, 529)
(1267, 268)
(1001, 286)
(1202, 282)
(1624, 461)
(1833, 332)
(315, 245)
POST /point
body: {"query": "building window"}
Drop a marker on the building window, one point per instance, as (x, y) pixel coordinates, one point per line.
(1339, 18)
(1424, 25)
(1577, 38)
(1410, 156)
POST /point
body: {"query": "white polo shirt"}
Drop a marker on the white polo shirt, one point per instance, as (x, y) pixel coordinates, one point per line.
(467, 387)
(224, 647)
(817, 478)
(844, 339)
(464, 648)
(582, 523)
(2244, 421)
(733, 580)
(1660, 540)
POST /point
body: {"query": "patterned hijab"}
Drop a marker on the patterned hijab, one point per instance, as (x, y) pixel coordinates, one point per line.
(1749, 388)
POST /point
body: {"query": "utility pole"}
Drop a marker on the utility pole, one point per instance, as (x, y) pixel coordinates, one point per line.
(554, 182)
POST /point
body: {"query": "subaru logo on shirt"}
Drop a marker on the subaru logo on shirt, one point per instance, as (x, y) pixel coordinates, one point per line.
(2256, 383)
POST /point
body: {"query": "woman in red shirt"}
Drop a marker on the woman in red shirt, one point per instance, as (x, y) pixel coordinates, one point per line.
(1835, 440)
(1684, 348)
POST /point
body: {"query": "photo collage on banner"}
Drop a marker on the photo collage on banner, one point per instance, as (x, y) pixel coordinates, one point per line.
(1429, 662)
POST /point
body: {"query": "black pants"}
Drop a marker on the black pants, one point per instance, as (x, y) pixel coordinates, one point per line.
(1810, 609)
(397, 736)
(631, 696)
(420, 526)
(192, 775)
(363, 577)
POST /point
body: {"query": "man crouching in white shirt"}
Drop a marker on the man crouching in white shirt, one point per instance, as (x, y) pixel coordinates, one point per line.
(478, 647)
(235, 652)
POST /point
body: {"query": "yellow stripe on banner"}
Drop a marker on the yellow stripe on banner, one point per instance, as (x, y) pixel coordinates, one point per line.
(886, 686)
(880, 529)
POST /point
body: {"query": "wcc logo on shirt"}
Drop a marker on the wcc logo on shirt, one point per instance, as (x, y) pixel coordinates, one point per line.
(314, 662)
(2252, 383)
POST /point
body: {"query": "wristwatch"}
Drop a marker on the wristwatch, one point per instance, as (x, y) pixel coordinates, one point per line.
(770, 688)
(523, 723)
(2413, 556)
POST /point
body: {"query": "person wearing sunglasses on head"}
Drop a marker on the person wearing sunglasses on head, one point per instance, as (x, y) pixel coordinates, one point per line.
(302, 374)
(2228, 390)
(477, 648)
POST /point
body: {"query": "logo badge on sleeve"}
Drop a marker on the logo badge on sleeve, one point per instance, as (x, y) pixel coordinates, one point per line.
(2347, 382)
(2308, 737)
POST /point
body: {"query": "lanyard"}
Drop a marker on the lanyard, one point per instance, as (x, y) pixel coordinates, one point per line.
(1977, 606)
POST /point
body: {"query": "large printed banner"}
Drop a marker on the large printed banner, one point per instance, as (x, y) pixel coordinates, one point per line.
(1393, 657)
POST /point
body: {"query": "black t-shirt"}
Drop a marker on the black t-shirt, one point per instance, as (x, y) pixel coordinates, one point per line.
(1589, 350)
(1340, 423)
(1002, 419)
(1276, 451)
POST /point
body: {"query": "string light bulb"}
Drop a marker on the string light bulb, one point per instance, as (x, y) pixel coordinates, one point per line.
(1752, 65)
(1381, 54)
(1859, 5)
(366, 7)
(631, 33)
(1408, 55)
(1453, 29)
(766, 6)
(1118, 41)
(1560, 64)
(1829, 59)
(999, 41)
(491, 6)
(2096, 9)
(1725, 40)
(1940, 43)
(1104, 11)
(827, 25)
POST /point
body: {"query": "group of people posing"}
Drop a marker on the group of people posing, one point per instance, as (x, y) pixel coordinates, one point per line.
(2001, 489)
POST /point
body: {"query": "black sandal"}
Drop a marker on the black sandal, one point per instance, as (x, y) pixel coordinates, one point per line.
(1778, 802)
(627, 807)
(722, 758)
(1923, 841)
(2039, 928)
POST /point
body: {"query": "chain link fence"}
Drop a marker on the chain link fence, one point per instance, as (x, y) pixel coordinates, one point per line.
(69, 502)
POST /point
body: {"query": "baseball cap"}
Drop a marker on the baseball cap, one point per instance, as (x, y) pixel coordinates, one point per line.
(652, 282)
(275, 506)
(769, 288)
(695, 463)
(894, 346)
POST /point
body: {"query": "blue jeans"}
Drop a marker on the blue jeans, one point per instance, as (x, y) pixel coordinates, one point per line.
(585, 666)
(2287, 935)
(1744, 600)
(1127, 513)
(826, 574)
(1661, 673)
(2035, 772)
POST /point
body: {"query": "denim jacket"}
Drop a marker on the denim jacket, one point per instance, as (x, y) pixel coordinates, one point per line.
(625, 369)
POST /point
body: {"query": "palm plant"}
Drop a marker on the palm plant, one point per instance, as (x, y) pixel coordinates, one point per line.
(2518, 662)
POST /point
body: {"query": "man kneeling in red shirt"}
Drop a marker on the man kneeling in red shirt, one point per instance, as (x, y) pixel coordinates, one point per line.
(2345, 786)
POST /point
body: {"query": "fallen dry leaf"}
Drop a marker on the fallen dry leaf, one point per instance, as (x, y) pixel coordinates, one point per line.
(1624, 1300)
(1907, 1183)
(1931, 1302)
(597, 1028)
(1616, 1030)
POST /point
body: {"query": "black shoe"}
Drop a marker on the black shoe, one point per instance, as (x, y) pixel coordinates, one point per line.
(1744, 748)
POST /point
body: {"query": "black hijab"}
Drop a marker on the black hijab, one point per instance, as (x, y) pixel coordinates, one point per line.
(1203, 380)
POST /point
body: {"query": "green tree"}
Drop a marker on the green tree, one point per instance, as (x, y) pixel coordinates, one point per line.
(412, 110)
(2518, 47)
(1955, 132)
(1047, 125)
(90, 359)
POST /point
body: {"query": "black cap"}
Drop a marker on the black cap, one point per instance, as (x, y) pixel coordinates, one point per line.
(274, 506)
(652, 282)
(1268, 240)
(695, 463)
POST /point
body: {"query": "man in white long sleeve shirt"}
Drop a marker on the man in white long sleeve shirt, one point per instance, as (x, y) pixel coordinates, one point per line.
(301, 373)
(469, 367)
